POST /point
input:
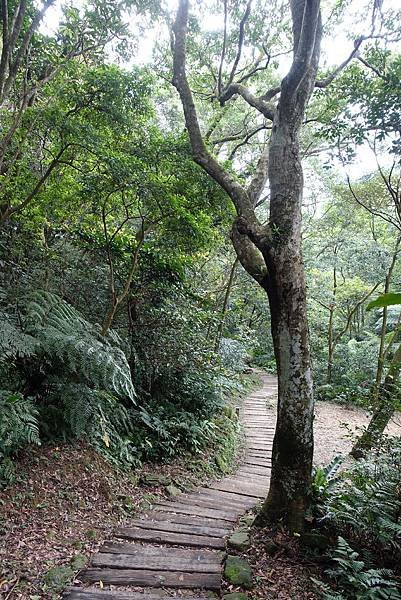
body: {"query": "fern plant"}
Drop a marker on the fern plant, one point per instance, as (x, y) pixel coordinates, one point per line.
(353, 581)
(18, 427)
(365, 504)
(75, 344)
(324, 478)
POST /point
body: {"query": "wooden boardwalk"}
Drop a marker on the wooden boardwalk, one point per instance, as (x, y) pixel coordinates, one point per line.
(180, 544)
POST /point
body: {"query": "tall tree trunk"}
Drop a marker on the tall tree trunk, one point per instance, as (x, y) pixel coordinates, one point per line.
(293, 440)
(387, 395)
(383, 329)
(330, 335)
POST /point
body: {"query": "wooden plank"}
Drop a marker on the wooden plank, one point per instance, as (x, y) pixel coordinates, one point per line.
(168, 562)
(214, 500)
(261, 446)
(210, 502)
(175, 527)
(263, 469)
(158, 551)
(240, 487)
(257, 462)
(188, 519)
(257, 431)
(223, 495)
(96, 594)
(256, 469)
(168, 537)
(264, 454)
(146, 578)
(261, 482)
(253, 478)
(197, 510)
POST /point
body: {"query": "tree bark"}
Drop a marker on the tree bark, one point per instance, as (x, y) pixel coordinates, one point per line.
(330, 336)
(286, 288)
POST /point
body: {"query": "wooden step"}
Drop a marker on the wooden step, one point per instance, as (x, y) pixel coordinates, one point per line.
(168, 537)
(147, 578)
(155, 515)
(175, 528)
(96, 594)
(211, 501)
(244, 501)
(197, 510)
(157, 551)
(241, 487)
(167, 562)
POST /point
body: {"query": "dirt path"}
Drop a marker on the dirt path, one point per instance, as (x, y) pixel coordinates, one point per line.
(336, 426)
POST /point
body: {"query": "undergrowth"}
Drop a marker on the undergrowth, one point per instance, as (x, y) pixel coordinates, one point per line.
(362, 506)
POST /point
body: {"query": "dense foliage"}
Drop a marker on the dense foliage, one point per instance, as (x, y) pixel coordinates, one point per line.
(126, 320)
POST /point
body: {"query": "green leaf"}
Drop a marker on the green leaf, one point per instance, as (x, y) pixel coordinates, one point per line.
(384, 300)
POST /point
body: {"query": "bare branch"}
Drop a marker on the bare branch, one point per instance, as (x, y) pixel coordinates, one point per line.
(240, 41)
(241, 201)
(246, 140)
(223, 52)
(322, 83)
(369, 209)
(352, 312)
(372, 68)
(18, 207)
(255, 69)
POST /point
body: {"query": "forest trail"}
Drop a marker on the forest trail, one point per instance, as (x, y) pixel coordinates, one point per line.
(181, 544)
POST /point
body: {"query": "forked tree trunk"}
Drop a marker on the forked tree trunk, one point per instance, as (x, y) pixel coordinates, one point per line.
(272, 253)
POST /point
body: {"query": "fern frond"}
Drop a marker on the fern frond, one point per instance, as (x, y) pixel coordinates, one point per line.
(75, 343)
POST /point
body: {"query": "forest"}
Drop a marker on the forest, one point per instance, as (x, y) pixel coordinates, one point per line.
(200, 299)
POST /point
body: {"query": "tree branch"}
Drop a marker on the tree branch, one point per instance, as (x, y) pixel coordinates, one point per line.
(257, 102)
(322, 83)
(18, 207)
(240, 40)
(223, 51)
(248, 255)
(259, 180)
(200, 153)
(306, 29)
